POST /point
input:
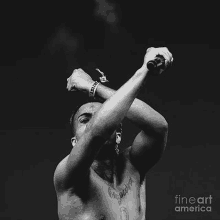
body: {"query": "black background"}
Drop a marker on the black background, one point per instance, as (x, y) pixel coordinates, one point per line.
(41, 44)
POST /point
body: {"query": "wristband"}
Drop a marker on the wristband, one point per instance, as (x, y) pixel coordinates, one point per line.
(93, 89)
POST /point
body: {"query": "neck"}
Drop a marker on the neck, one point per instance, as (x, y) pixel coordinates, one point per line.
(109, 164)
(106, 168)
(111, 171)
(106, 163)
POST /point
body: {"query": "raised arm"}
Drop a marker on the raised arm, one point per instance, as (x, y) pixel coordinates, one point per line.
(149, 144)
(140, 113)
(100, 127)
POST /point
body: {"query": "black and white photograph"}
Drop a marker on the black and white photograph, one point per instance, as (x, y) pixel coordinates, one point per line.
(109, 110)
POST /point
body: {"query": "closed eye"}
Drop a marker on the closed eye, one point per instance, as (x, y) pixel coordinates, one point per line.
(85, 117)
(84, 120)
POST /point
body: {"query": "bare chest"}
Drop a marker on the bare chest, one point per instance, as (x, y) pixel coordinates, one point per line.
(106, 202)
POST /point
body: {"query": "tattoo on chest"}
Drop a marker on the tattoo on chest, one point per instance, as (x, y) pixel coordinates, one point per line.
(122, 193)
(124, 214)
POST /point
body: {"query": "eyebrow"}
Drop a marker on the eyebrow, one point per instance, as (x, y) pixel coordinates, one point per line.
(85, 114)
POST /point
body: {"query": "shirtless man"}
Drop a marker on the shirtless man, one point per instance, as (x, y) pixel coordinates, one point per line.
(95, 181)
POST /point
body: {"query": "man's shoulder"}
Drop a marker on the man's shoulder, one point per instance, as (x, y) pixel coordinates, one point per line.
(63, 182)
(61, 166)
(59, 173)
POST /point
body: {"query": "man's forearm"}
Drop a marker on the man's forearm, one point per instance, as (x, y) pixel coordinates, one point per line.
(140, 113)
(115, 108)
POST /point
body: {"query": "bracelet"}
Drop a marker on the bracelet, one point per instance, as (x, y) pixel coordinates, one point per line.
(93, 89)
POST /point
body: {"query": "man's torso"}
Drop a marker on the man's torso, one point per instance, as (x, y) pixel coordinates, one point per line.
(97, 199)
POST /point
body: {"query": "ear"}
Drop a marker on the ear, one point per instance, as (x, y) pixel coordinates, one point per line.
(73, 141)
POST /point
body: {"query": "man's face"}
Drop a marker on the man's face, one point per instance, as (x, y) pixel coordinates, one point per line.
(83, 116)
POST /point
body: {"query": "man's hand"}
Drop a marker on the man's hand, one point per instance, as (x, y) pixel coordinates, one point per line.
(152, 52)
(79, 81)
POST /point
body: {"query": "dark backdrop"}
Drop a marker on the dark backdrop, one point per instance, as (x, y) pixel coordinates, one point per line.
(41, 44)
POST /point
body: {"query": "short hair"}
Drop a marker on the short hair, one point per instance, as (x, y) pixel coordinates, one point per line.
(75, 110)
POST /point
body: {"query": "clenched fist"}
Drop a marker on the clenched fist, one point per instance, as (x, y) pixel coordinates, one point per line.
(79, 81)
(151, 54)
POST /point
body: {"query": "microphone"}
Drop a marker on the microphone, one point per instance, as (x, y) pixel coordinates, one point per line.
(157, 62)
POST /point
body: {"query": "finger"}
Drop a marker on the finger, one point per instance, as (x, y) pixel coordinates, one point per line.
(165, 55)
(164, 49)
(75, 71)
(165, 52)
(149, 49)
(73, 88)
(168, 55)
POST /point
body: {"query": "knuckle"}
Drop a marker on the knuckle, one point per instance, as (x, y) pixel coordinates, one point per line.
(149, 49)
